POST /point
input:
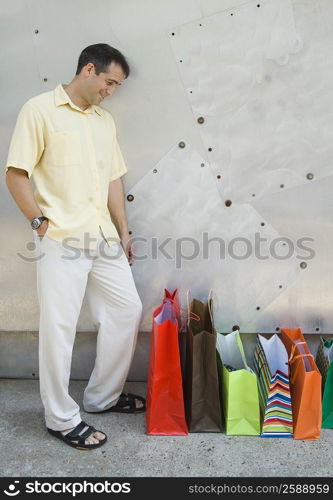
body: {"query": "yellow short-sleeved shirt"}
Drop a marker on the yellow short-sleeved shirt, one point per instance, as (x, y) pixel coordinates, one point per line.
(72, 156)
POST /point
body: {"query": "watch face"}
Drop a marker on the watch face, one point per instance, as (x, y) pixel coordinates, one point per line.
(35, 224)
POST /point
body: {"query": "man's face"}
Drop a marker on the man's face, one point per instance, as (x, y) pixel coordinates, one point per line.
(104, 84)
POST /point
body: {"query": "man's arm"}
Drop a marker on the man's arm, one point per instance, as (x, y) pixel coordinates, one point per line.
(18, 183)
(116, 206)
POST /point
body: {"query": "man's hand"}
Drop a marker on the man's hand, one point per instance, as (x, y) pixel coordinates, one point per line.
(128, 248)
(116, 206)
(42, 229)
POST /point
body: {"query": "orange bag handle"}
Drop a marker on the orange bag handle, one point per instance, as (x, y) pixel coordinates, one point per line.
(301, 356)
(292, 357)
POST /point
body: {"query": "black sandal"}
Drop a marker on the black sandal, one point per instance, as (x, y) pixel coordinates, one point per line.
(77, 440)
(126, 404)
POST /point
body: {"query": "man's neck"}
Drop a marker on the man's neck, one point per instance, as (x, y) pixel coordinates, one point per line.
(70, 90)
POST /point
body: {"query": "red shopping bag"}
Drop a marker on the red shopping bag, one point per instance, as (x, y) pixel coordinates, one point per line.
(165, 413)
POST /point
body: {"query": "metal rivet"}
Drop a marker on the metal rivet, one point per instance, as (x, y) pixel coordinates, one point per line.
(210, 149)
(277, 329)
(303, 265)
(181, 60)
(129, 232)
(262, 224)
(181, 144)
(317, 329)
(228, 203)
(45, 79)
(310, 176)
(130, 197)
(202, 164)
(281, 185)
(258, 308)
(155, 171)
(201, 119)
(200, 24)
(33, 374)
(280, 286)
(258, 5)
(219, 177)
(231, 14)
(172, 34)
(253, 195)
(235, 327)
(36, 31)
(191, 92)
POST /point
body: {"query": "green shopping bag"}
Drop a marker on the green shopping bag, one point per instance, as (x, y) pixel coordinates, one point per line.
(240, 397)
(324, 361)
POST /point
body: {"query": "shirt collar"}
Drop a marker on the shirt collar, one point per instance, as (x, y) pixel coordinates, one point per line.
(61, 97)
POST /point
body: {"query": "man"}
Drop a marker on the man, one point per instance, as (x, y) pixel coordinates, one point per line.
(68, 144)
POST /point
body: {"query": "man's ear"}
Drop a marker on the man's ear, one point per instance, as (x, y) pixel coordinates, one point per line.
(88, 69)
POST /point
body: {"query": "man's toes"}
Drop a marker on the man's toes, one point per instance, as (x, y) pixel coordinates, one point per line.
(99, 435)
(91, 440)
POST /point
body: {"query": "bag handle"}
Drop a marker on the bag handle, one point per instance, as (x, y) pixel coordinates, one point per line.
(184, 315)
(210, 301)
(189, 314)
(261, 367)
(292, 352)
(292, 358)
(300, 356)
(188, 302)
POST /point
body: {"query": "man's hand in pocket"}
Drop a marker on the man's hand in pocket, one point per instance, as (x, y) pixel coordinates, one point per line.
(42, 229)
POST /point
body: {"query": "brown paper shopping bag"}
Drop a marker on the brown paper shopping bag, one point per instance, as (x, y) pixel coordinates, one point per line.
(202, 401)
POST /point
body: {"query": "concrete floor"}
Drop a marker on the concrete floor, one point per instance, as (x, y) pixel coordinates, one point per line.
(28, 450)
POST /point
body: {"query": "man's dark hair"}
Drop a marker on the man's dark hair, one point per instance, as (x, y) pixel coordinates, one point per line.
(102, 55)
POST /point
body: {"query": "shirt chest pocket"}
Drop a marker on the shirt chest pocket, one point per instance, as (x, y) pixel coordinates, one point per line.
(63, 148)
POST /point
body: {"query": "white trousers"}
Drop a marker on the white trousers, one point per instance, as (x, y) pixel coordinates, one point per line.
(63, 278)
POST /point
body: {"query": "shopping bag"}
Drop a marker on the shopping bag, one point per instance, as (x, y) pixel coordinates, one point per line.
(202, 402)
(305, 383)
(239, 387)
(271, 365)
(220, 380)
(165, 413)
(324, 361)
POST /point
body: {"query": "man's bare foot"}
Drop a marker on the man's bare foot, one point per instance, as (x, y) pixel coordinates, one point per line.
(93, 439)
(138, 404)
(127, 403)
(83, 436)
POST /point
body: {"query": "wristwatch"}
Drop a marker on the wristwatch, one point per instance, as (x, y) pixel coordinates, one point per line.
(36, 222)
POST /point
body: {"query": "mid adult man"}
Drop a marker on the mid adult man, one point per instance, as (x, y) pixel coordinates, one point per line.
(68, 143)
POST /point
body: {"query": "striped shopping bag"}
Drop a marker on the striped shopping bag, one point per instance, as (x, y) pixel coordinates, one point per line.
(271, 365)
